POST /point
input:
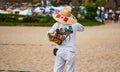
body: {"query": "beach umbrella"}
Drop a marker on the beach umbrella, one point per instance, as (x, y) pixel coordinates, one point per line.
(37, 9)
(52, 9)
(42, 8)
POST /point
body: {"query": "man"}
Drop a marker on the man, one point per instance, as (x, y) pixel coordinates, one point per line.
(67, 26)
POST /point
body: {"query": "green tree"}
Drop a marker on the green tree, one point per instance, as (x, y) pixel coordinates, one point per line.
(91, 11)
(100, 2)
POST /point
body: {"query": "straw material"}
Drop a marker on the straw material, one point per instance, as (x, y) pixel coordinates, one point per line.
(65, 17)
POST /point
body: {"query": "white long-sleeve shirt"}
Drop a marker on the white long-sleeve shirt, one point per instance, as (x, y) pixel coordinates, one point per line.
(69, 42)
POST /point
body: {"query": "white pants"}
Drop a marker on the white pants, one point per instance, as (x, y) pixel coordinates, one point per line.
(64, 57)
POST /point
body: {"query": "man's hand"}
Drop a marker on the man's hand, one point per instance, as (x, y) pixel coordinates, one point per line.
(51, 36)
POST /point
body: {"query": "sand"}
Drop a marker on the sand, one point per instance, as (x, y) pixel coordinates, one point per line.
(28, 48)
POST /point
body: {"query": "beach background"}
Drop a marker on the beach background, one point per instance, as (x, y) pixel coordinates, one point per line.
(28, 49)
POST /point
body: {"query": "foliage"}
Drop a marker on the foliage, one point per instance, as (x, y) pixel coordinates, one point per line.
(91, 11)
(39, 20)
(87, 22)
(13, 20)
(100, 2)
(75, 11)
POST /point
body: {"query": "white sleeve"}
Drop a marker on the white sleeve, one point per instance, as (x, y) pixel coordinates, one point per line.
(53, 29)
(80, 27)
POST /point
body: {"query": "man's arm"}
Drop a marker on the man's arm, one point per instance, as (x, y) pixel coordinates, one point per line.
(80, 27)
(53, 29)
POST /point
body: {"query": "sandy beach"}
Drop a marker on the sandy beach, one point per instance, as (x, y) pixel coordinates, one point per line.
(28, 49)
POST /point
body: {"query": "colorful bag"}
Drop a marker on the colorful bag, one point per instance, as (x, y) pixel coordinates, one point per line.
(56, 38)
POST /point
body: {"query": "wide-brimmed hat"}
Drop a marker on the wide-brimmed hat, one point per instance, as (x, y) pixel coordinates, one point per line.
(65, 16)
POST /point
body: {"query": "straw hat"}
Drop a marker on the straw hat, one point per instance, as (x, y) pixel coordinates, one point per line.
(65, 17)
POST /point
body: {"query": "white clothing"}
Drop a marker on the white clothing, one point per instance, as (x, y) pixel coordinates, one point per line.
(66, 51)
(106, 16)
(64, 57)
(69, 43)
